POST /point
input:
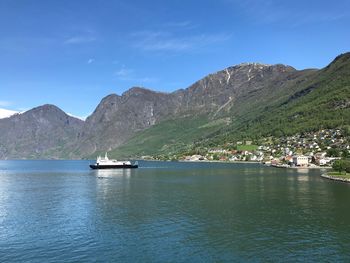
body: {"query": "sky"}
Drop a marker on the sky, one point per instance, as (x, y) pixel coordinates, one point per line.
(74, 53)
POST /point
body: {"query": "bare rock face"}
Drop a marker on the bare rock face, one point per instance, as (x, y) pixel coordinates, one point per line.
(223, 90)
(42, 132)
(117, 118)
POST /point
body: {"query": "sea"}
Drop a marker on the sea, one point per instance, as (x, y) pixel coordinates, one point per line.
(61, 211)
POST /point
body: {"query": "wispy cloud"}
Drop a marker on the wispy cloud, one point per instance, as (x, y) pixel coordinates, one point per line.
(79, 40)
(127, 74)
(90, 60)
(123, 73)
(303, 19)
(292, 14)
(23, 109)
(83, 118)
(166, 41)
(180, 25)
(5, 103)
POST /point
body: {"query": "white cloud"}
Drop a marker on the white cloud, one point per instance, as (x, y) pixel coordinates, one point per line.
(5, 103)
(79, 40)
(180, 24)
(78, 117)
(126, 74)
(23, 110)
(90, 60)
(6, 113)
(165, 41)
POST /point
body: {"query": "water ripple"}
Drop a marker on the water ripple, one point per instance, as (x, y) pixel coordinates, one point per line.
(170, 212)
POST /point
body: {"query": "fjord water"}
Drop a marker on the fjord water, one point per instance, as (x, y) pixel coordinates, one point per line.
(60, 211)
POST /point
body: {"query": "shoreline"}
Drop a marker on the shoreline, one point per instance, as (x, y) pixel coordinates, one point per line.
(339, 179)
(301, 167)
(216, 161)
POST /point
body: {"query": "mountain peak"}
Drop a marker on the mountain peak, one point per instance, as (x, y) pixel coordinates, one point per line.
(110, 97)
(341, 62)
(261, 66)
(253, 64)
(48, 111)
(140, 91)
(342, 58)
(45, 109)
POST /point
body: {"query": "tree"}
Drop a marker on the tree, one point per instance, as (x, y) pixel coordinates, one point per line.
(216, 157)
(333, 152)
(347, 168)
(345, 154)
(341, 166)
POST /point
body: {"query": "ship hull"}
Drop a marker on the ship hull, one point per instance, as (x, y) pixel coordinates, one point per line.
(116, 166)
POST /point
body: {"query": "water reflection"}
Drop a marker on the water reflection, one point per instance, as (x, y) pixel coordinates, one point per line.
(112, 183)
(303, 178)
(302, 170)
(110, 173)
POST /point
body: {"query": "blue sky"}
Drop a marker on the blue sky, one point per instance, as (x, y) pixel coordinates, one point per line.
(73, 53)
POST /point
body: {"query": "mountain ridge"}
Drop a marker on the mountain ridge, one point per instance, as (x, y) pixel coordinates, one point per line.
(227, 98)
(42, 132)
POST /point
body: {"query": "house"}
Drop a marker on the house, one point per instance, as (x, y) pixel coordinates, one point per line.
(323, 161)
(301, 160)
(253, 157)
(194, 158)
(234, 158)
(288, 159)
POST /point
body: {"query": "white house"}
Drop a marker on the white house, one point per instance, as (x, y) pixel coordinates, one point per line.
(301, 160)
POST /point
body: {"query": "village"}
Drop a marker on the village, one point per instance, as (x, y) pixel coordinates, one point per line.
(313, 149)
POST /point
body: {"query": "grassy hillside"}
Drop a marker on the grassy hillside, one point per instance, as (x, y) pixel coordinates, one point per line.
(169, 137)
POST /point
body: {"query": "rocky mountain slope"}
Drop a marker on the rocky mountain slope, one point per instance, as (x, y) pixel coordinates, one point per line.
(43, 132)
(232, 101)
(117, 118)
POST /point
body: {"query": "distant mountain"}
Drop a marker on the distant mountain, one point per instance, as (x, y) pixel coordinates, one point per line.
(117, 118)
(7, 113)
(244, 101)
(43, 132)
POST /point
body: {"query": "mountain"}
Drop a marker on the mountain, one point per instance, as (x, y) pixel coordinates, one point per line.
(280, 101)
(117, 118)
(43, 132)
(248, 100)
(322, 100)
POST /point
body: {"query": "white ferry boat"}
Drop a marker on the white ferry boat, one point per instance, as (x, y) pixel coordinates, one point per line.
(105, 163)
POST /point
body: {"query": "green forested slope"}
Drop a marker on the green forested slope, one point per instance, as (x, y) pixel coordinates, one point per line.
(321, 102)
(169, 137)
